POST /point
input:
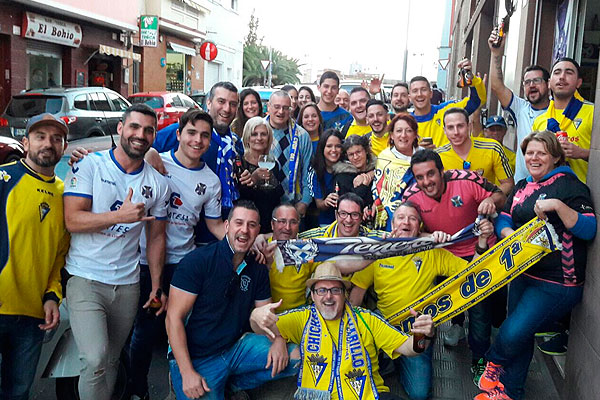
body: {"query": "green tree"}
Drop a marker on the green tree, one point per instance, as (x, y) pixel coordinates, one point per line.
(285, 69)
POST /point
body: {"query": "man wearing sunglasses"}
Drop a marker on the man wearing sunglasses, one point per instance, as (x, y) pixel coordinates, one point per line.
(523, 110)
(482, 155)
(340, 343)
(213, 291)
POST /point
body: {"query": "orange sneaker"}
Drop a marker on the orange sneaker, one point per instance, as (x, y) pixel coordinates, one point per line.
(490, 378)
(495, 394)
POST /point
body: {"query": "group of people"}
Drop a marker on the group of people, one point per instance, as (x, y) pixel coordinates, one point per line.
(187, 219)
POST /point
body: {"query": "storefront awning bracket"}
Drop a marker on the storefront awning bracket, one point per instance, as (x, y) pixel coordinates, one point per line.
(90, 57)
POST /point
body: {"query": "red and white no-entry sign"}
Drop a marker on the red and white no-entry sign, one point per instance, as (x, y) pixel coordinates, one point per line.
(208, 51)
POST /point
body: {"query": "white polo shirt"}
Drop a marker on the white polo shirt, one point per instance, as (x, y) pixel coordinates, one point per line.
(112, 255)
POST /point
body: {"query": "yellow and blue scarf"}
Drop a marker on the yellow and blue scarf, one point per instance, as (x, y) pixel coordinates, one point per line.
(323, 365)
(562, 121)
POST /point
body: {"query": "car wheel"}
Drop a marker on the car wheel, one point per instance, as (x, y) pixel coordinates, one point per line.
(11, 158)
(67, 388)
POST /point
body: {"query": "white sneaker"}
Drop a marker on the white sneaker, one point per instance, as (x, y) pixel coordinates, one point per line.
(453, 335)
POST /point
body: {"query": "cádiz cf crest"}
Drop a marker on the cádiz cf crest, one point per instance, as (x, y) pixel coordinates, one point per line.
(317, 365)
(44, 209)
(356, 379)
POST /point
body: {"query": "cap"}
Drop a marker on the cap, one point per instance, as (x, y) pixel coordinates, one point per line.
(495, 120)
(327, 272)
(47, 119)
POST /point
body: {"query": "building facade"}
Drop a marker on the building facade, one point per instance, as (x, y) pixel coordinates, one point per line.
(541, 32)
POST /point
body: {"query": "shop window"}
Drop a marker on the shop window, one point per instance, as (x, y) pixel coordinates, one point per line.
(80, 102)
(175, 69)
(44, 72)
(99, 102)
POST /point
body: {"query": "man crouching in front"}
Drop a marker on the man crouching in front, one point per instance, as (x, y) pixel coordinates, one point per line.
(213, 292)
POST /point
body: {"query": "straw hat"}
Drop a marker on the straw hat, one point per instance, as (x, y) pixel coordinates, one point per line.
(327, 272)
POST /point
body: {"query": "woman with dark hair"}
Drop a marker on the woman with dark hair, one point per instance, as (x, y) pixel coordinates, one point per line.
(305, 96)
(311, 120)
(392, 171)
(255, 183)
(329, 152)
(291, 90)
(356, 174)
(550, 289)
(250, 106)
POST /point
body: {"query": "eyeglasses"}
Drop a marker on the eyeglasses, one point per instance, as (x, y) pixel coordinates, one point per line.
(336, 291)
(286, 221)
(353, 215)
(466, 164)
(277, 107)
(534, 81)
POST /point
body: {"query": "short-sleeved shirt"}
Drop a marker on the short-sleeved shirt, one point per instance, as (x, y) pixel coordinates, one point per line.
(400, 280)
(353, 129)
(325, 216)
(111, 255)
(523, 114)
(381, 336)
(378, 144)
(335, 119)
(456, 208)
(192, 190)
(220, 315)
(486, 157)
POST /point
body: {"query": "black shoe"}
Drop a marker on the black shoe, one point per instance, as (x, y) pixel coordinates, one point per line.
(557, 346)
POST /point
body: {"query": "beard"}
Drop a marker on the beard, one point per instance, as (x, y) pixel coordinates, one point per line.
(132, 153)
(328, 315)
(400, 109)
(44, 158)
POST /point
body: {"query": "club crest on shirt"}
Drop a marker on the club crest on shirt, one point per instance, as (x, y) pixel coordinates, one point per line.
(44, 209)
(457, 201)
(175, 200)
(577, 122)
(244, 283)
(147, 191)
(438, 121)
(317, 364)
(418, 263)
(200, 189)
(4, 176)
(356, 379)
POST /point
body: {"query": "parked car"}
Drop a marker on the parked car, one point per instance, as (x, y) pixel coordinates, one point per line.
(10, 150)
(88, 111)
(200, 98)
(169, 106)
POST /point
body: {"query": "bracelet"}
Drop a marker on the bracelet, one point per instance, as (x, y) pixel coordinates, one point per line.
(481, 250)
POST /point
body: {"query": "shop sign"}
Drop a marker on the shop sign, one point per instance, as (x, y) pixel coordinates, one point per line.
(149, 31)
(52, 30)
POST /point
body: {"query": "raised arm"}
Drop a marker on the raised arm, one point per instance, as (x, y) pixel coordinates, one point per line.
(503, 93)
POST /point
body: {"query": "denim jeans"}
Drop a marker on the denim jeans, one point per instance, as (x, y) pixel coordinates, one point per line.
(101, 318)
(415, 374)
(532, 303)
(243, 365)
(20, 346)
(145, 330)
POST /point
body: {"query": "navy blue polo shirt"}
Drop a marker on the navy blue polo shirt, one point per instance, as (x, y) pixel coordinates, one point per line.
(220, 315)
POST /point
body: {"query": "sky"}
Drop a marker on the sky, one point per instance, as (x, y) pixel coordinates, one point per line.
(336, 33)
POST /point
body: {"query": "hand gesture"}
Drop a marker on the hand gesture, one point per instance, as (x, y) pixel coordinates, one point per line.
(375, 85)
(264, 317)
(132, 212)
(194, 385)
(278, 356)
(496, 51)
(52, 316)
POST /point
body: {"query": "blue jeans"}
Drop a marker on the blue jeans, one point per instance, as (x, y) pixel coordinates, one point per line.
(415, 374)
(531, 304)
(243, 365)
(145, 330)
(20, 346)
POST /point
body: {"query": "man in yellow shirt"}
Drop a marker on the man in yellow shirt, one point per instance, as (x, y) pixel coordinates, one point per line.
(569, 112)
(482, 155)
(378, 119)
(430, 117)
(359, 97)
(339, 344)
(400, 280)
(33, 245)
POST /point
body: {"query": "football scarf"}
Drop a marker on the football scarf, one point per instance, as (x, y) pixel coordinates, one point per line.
(562, 121)
(225, 156)
(348, 366)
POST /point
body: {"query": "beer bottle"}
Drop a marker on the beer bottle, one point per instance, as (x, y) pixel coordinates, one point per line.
(419, 340)
(155, 303)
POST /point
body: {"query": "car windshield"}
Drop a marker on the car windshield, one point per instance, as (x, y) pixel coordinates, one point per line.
(28, 106)
(154, 102)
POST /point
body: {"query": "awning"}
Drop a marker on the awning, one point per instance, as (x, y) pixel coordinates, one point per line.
(182, 49)
(113, 51)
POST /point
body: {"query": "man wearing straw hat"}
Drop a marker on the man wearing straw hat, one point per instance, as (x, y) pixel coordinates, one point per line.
(338, 343)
